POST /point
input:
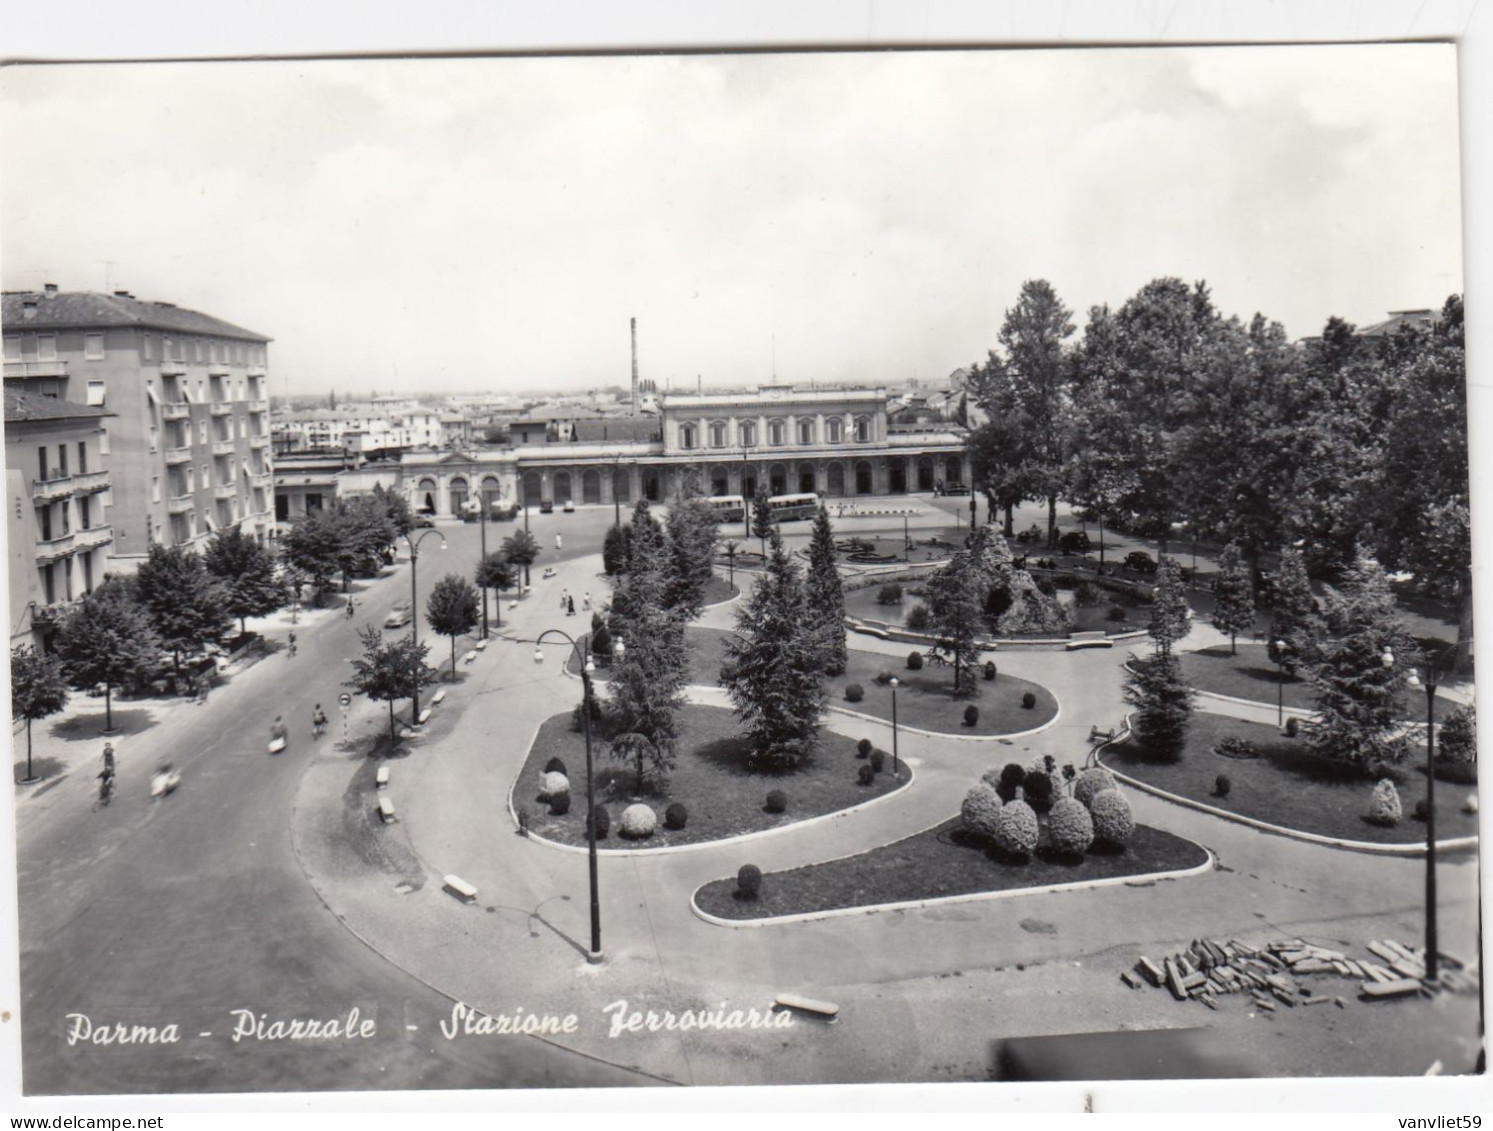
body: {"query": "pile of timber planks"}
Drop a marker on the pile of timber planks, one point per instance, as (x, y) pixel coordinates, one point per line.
(1279, 973)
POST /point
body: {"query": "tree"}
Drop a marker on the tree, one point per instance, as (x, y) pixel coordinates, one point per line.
(1233, 596)
(365, 532)
(451, 609)
(651, 765)
(956, 601)
(1168, 606)
(521, 549)
(690, 556)
(995, 462)
(826, 595)
(762, 522)
(185, 604)
(496, 572)
(390, 671)
(647, 682)
(774, 666)
(1163, 704)
(313, 545)
(1358, 718)
(1457, 741)
(395, 507)
(107, 639)
(614, 551)
(246, 572)
(1297, 622)
(37, 690)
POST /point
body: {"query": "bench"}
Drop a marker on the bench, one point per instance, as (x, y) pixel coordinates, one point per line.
(425, 715)
(438, 698)
(1075, 645)
(381, 779)
(797, 1002)
(482, 645)
(458, 887)
(386, 808)
(469, 657)
(1099, 736)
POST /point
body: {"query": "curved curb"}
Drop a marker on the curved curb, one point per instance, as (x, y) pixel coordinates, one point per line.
(1298, 712)
(972, 897)
(1295, 834)
(1007, 643)
(1056, 715)
(674, 849)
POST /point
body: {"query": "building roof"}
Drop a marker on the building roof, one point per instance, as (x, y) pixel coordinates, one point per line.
(21, 406)
(618, 428)
(86, 309)
(1398, 320)
(773, 394)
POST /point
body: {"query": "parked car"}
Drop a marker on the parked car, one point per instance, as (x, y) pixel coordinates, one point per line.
(1140, 561)
(400, 615)
(547, 506)
(569, 507)
(423, 520)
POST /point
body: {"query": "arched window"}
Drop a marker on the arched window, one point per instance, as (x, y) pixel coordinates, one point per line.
(687, 436)
(717, 433)
(834, 429)
(748, 434)
(805, 431)
(777, 432)
(862, 429)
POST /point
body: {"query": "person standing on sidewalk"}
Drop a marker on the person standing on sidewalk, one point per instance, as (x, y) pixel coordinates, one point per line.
(559, 542)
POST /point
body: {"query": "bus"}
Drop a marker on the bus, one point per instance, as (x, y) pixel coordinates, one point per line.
(785, 507)
(727, 508)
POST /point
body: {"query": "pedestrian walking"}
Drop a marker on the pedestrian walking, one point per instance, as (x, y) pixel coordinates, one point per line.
(564, 599)
(586, 602)
(109, 758)
(290, 645)
(559, 542)
(570, 608)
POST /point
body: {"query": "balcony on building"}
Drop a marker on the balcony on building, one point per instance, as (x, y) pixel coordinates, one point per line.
(179, 410)
(50, 549)
(222, 408)
(173, 369)
(259, 442)
(225, 491)
(175, 456)
(36, 369)
(179, 504)
(256, 371)
(224, 447)
(94, 537)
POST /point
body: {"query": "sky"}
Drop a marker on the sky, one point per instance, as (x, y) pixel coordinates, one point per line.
(476, 225)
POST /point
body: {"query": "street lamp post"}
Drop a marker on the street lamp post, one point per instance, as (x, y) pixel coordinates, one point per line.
(1429, 683)
(894, 684)
(1280, 683)
(588, 668)
(414, 544)
(482, 499)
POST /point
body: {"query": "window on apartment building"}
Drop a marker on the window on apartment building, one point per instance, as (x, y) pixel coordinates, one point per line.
(46, 347)
(85, 513)
(191, 481)
(41, 463)
(202, 431)
(177, 349)
(155, 488)
(687, 436)
(82, 457)
(192, 524)
(748, 434)
(805, 431)
(87, 560)
(12, 349)
(149, 348)
(103, 442)
(44, 524)
(862, 429)
(47, 584)
(93, 347)
(62, 461)
(65, 517)
(207, 478)
(777, 432)
(834, 430)
(155, 443)
(97, 390)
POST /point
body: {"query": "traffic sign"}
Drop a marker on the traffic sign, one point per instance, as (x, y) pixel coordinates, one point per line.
(344, 700)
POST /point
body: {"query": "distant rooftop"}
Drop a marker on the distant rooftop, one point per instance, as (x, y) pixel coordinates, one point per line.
(769, 394)
(1398, 320)
(53, 309)
(33, 406)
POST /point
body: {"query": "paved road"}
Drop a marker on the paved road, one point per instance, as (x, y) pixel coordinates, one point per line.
(183, 910)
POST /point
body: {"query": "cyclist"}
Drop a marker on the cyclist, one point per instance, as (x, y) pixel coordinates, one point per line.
(318, 722)
(106, 785)
(108, 759)
(290, 645)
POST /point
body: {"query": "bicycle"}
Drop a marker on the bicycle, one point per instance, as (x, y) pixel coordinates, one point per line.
(105, 788)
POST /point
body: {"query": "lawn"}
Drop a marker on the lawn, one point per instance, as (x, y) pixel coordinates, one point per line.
(1251, 675)
(938, 863)
(862, 604)
(723, 796)
(1287, 786)
(718, 589)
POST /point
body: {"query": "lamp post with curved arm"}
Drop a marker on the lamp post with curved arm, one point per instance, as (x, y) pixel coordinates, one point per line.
(588, 667)
(1428, 681)
(414, 544)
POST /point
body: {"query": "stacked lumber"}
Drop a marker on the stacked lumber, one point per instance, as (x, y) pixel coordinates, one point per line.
(1281, 973)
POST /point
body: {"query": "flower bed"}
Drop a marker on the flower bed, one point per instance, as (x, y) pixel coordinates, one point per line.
(721, 796)
(1286, 786)
(934, 864)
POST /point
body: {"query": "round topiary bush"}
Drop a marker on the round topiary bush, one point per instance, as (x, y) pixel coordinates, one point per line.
(552, 785)
(1115, 614)
(638, 822)
(878, 761)
(866, 775)
(777, 801)
(989, 669)
(602, 820)
(971, 715)
(981, 806)
(1070, 829)
(1012, 775)
(884, 677)
(889, 594)
(863, 748)
(914, 661)
(1293, 726)
(676, 816)
(1222, 785)
(554, 766)
(1113, 820)
(1422, 811)
(1028, 700)
(1016, 829)
(1040, 791)
(854, 693)
(919, 618)
(560, 804)
(992, 777)
(1236, 746)
(1096, 779)
(748, 881)
(1384, 805)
